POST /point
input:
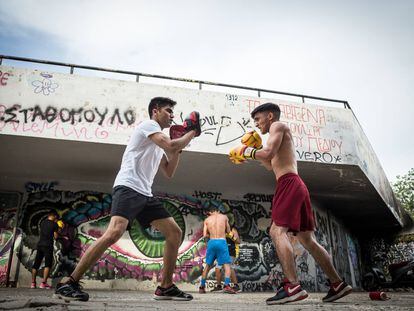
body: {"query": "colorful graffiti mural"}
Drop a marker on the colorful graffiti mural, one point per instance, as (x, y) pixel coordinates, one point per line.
(138, 254)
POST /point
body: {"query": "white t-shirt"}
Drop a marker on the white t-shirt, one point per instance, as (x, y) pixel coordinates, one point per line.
(141, 159)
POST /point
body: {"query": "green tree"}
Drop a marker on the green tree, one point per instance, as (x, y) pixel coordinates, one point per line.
(404, 191)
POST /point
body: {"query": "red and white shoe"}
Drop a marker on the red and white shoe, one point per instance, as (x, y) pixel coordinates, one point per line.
(287, 292)
(337, 291)
(33, 285)
(45, 285)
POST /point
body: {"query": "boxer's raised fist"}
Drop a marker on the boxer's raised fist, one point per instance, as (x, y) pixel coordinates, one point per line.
(252, 139)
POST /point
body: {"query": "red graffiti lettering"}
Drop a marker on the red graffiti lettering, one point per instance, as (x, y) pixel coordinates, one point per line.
(252, 103)
(4, 76)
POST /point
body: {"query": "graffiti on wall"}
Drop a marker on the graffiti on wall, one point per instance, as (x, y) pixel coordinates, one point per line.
(308, 138)
(323, 237)
(100, 122)
(86, 216)
(75, 123)
(340, 250)
(139, 253)
(354, 261)
(39, 187)
(16, 114)
(4, 76)
(308, 125)
(49, 107)
(382, 252)
(9, 203)
(402, 249)
(45, 85)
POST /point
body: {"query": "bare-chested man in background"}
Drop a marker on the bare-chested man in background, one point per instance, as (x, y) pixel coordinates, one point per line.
(216, 225)
(291, 206)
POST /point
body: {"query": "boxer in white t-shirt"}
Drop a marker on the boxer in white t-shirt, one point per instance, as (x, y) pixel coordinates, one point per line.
(148, 150)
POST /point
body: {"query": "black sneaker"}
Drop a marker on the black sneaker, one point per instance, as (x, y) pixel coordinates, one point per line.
(171, 293)
(337, 292)
(236, 288)
(217, 288)
(70, 291)
(287, 292)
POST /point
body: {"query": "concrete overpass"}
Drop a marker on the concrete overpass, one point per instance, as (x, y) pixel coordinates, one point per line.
(66, 133)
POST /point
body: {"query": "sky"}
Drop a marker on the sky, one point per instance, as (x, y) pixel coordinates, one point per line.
(358, 51)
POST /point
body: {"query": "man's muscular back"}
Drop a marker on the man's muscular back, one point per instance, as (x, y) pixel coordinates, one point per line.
(216, 225)
(284, 160)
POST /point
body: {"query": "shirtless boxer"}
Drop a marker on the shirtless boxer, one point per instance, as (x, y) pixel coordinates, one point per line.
(291, 206)
(216, 225)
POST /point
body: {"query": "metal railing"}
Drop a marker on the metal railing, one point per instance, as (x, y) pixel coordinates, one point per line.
(200, 83)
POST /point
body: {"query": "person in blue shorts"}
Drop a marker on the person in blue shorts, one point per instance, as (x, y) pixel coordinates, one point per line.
(233, 243)
(216, 225)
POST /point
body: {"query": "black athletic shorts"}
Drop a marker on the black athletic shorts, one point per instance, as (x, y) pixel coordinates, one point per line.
(47, 253)
(132, 205)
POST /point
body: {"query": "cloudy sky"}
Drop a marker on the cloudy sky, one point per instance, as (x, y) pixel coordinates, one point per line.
(359, 51)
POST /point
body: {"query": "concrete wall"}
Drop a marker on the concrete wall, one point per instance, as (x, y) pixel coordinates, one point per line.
(60, 106)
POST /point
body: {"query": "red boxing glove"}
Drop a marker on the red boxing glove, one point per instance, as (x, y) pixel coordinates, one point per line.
(192, 122)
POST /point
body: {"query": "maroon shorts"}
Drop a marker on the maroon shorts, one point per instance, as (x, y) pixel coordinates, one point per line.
(291, 207)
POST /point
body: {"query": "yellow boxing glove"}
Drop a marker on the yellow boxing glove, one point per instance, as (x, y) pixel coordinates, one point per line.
(60, 224)
(252, 139)
(230, 235)
(239, 154)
